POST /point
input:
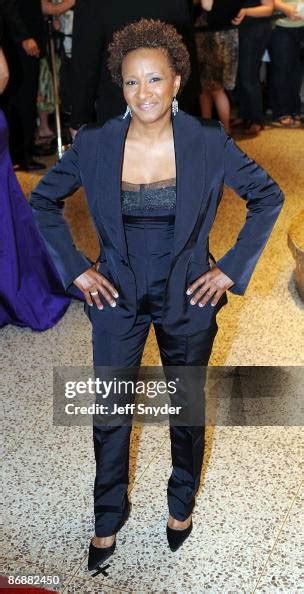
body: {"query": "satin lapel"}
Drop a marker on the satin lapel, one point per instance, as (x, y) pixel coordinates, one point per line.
(190, 156)
(111, 161)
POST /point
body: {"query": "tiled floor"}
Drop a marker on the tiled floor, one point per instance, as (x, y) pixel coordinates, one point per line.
(247, 521)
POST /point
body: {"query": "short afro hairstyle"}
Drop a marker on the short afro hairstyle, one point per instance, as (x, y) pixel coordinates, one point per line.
(149, 33)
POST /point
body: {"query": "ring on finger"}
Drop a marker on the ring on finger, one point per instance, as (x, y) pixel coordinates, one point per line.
(93, 293)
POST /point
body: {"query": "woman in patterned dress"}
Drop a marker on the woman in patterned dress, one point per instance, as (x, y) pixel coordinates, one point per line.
(217, 49)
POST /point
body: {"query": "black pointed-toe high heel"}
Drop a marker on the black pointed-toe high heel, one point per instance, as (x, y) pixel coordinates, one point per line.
(177, 537)
(98, 555)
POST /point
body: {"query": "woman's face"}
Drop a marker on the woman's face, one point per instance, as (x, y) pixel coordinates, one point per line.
(149, 83)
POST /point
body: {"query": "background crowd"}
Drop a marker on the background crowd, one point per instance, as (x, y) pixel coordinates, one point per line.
(227, 43)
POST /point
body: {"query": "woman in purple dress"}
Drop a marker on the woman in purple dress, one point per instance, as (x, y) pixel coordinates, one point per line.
(31, 293)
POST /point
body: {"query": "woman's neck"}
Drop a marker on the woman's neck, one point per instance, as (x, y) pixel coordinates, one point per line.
(152, 132)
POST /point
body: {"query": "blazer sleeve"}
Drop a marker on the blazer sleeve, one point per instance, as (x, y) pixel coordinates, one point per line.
(264, 200)
(47, 202)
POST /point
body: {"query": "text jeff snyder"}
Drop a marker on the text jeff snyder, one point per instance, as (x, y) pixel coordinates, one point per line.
(127, 409)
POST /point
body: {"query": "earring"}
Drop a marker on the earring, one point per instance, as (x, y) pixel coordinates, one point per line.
(174, 106)
(127, 112)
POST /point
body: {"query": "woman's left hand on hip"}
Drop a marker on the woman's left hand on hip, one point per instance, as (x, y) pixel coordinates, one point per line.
(210, 286)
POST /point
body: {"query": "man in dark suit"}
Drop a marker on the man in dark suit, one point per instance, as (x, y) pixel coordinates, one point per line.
(94, 24)
(24, 43)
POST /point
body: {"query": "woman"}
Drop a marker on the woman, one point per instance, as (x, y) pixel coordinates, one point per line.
(4, 72)
(24, 43)
(153, 179)
(31, 293)
(286, 69)
(254, 35)
(45, 101)
(217, 48)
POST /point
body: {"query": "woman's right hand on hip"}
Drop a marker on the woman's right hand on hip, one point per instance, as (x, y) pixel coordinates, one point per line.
(93, 284)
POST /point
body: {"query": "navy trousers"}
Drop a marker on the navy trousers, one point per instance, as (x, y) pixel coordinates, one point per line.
(149, 245)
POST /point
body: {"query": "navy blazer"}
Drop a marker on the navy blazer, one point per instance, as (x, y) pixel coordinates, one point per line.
(206, 159)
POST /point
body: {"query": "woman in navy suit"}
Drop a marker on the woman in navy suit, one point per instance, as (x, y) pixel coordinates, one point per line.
(153, 179)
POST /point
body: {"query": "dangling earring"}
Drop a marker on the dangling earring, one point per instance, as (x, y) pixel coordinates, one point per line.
(127, 112)
(174, 106)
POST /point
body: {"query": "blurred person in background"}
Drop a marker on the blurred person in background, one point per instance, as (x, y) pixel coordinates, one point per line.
(4, 72)
(217, 48)
(23, 43)
(255, 26)
(31, 292)
(45, 99)
(65, 75)
(286, 66)
(94, 93)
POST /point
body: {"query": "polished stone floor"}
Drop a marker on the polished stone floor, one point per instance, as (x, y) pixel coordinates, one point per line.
(247, 520)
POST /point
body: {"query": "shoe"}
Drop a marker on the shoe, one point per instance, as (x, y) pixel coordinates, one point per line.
(177, 537)
(29, 165)
(253, 129)
(98, 555)
(285, 122)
